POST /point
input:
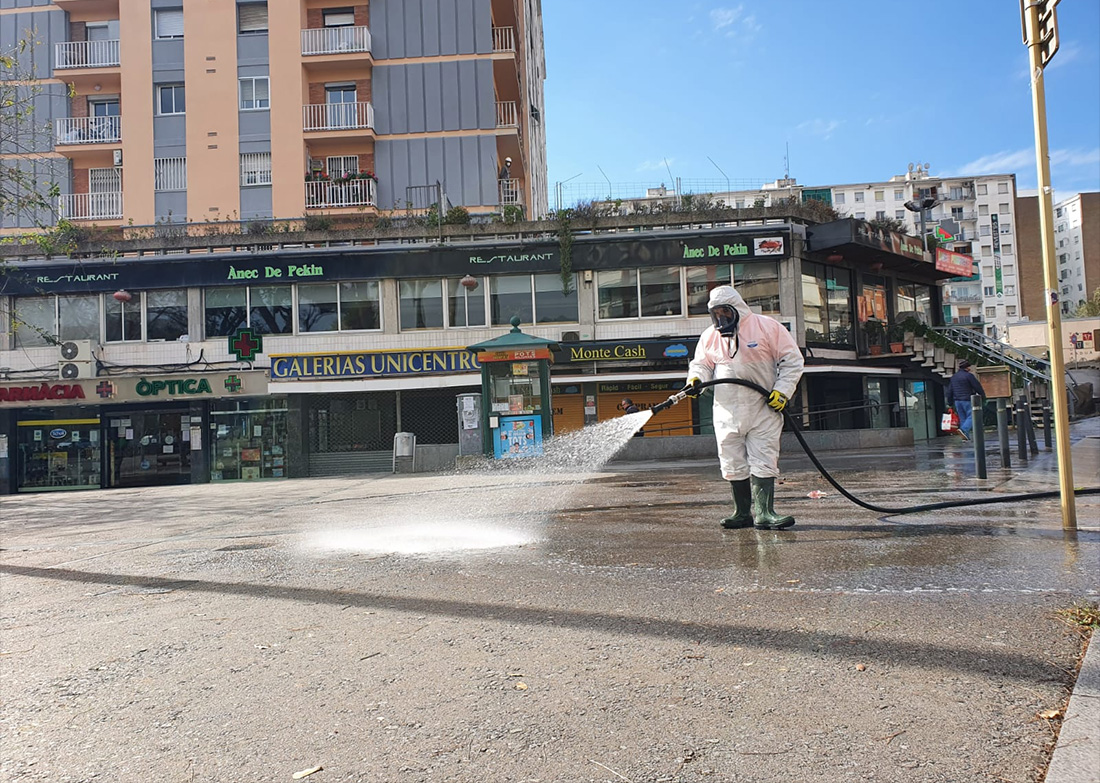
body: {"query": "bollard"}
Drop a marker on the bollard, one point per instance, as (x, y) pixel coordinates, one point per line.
(977, 428)
(1047, 440)
(1002, 433)
(1021, 430)
(1030, 428)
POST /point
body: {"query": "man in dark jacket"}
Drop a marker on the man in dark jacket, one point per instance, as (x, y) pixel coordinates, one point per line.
(629, 407)
(962, 384)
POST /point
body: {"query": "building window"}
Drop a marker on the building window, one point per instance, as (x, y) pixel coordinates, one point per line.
(1058, 212)
(35, 320)
(985, 230)
(983, 209)
(318, 309)
(269, 309)
(1006, 249)
(899, 214)
(360, 306)
(827, 305)
(421, 304)
(700, 280)
(983, 190)
(169, 174)
(1003, 208)
(988, 290)
(987, 251)
(618, 293)
(861, 215)
(168, 23)
(838, 198)
(254, 93)
(123, 319)
(899, 195)
(552, 306)
(1010, 311)
(255, 168)
(332, 307)
(1008, 270)
(465, 305)
(991, 312)
(880, 195)
(341, 165)
(1010, 290)
(987, 271)
(880, 214)
(859, 196)
(226, 311)
(165, 315)
(252, 19)
(1002, 187)
(339, 17)
(170, 99)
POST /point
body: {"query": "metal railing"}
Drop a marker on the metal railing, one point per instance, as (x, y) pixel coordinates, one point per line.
(511, 192)
(337, 116)
(507, 115)
(1033, 368)
(87, 130)
(90, 206)
(961, 298)
(352, 193)
(86, 54)
(335, 40)
(504, 39)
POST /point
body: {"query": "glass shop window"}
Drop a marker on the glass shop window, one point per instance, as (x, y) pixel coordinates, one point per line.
(35, 320)
(758, 284)
(465, 305)
(123, 318)
(421, 303)
(700, 281)
(510, 296)
(551, 305)
(360, 307)
(226, 311)
(165, 315)
(270, 310)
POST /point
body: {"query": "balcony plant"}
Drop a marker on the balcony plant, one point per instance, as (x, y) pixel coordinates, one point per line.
(317, 176)
(875, 332)
(895, 336)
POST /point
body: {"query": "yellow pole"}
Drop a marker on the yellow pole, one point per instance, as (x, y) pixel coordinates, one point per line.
(1046, 231)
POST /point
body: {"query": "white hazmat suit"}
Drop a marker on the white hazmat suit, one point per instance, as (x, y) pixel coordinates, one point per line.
(761, 351)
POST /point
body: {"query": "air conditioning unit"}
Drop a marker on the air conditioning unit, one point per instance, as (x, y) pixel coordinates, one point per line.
(570, 337)
(76, 360)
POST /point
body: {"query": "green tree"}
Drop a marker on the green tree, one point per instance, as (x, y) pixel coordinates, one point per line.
(1089, 309)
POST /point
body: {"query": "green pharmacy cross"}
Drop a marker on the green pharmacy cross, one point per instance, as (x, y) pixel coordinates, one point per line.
(233, 384)
(245, 345)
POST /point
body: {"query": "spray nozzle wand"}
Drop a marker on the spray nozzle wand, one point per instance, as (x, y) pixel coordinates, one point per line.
(673, 400)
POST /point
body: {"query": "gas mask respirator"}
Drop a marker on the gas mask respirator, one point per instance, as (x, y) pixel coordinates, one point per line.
(725, 319)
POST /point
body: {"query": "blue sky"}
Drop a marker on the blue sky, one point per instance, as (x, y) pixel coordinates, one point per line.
(642, 88)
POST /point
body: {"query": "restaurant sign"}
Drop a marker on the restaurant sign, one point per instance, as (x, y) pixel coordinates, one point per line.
(958, 264)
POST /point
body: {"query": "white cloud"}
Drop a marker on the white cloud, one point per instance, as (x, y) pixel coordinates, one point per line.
(1024, 160)
(818, 127)
(659, 164)
(724, 17)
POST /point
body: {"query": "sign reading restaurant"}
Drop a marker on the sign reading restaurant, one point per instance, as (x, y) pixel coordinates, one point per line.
(708, 246)
(367, 364)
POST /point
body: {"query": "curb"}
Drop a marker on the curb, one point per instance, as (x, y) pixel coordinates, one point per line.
(1076, 756)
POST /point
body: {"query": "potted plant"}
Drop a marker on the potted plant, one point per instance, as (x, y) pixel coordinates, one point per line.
(895, 336)
(874, 331)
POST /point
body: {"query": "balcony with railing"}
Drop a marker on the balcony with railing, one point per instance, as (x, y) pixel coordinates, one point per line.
(511, 192)
(90, 206)
(86, 54)
(87, 130)
(961, 298)
(507, 114)
(335, 40)
(338, 116)
(504, 40)
(360, 192)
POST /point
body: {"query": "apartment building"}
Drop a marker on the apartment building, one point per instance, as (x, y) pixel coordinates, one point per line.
(164, 111)
(1077, 248)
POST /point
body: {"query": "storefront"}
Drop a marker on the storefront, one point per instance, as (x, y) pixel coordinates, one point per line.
(129, 431)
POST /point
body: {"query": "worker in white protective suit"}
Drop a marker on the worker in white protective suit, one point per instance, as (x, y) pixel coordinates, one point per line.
(741, 344)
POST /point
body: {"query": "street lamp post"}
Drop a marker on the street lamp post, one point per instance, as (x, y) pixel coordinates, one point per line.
(922, 206)
(1040, 28)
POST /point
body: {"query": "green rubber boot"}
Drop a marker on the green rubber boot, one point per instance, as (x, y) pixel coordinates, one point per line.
(763, 495)
(742, 505)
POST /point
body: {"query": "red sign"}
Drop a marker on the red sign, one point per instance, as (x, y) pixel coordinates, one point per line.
(45, 391)
(957, 264)
(526, 354)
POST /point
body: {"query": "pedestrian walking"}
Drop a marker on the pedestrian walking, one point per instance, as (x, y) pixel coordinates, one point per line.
(963, 384)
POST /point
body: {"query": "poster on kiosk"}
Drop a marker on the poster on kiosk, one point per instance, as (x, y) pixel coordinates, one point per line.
(518, 436)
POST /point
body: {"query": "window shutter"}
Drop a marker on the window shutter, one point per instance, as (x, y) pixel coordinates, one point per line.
(170, 24)
(252, 18)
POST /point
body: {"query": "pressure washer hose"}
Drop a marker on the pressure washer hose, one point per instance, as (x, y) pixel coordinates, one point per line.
(796, 428)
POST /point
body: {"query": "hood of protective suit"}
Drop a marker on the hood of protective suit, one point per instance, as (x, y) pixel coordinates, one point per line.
(727, 295)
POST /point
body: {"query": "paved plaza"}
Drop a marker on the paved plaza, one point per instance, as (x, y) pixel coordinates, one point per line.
(544, 627)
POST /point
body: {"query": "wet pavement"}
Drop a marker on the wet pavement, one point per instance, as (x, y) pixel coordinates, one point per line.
(546, 627)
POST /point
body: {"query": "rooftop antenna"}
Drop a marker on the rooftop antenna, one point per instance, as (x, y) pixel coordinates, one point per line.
(787, 163)
(608, 182)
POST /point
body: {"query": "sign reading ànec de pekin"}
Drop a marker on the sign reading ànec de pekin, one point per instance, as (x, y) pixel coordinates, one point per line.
(363, 263)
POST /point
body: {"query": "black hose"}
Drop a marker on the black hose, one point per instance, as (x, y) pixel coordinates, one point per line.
(797, 430)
